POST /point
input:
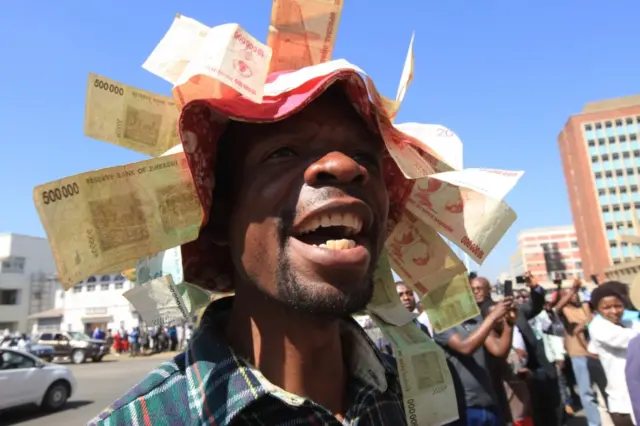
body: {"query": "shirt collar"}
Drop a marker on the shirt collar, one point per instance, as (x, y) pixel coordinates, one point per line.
(210, 362)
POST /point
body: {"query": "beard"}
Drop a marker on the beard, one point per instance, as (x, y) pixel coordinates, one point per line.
(311, 299)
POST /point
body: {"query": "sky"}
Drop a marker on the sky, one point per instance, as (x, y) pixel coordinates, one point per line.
(504, 75)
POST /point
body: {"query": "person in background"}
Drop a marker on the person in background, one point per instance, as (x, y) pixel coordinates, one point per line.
(173, 338)
(610, 337)
(632, 374)
(465, 346)
(584, 364)
(510, 375)
(408, 299)
(134, 341)
(24, 344)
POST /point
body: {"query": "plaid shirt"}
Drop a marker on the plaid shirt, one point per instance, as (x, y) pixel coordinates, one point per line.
(209, 385)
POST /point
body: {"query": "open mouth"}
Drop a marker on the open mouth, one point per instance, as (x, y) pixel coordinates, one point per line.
(332, 230)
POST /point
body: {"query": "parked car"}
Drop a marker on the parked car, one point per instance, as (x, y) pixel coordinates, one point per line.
(26, 379)
(75, 345)
(44, 352)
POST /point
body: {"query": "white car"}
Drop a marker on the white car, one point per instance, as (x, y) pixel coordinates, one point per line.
(26, 379)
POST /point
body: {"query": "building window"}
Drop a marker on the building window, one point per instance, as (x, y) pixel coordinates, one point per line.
(8, 297)
(119, 286)
(601, 141)
(91, 280)
(119, 277)
(104, 287)
(574, 244)
(12, 265)
(598, 126)
(633, 137)
(77, 288)
(588, 127)
(622, 138)
(91, 287)
(105, 278)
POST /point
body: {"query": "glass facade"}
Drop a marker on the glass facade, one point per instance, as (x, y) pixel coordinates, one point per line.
(614, 147)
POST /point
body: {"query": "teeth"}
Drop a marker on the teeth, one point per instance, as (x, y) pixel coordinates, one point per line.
(348, 220)
(338, 244)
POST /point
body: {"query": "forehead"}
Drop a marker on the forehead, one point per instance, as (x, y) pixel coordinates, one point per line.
(332, 111)
(401, 287)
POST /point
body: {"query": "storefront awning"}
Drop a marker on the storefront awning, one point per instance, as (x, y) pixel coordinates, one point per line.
(51, 313)
(96, 318)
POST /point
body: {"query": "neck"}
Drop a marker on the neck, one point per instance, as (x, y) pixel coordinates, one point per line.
(300, 353)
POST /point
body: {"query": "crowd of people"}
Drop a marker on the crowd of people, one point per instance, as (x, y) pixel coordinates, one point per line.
(536, 357)
(146, 340)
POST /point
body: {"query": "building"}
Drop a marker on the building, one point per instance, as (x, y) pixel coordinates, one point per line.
(601, 160)
(94, 302)
(548, 253)
(28, 281)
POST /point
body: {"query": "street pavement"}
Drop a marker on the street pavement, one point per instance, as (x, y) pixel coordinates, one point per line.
(98, 385)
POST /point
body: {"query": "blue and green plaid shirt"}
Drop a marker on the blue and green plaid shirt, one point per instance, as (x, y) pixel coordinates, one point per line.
(209, 385)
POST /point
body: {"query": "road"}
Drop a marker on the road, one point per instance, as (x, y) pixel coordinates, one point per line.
(101, 384)
(98, 386)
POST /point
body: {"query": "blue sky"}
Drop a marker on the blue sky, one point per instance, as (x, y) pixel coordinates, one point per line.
(504, 75)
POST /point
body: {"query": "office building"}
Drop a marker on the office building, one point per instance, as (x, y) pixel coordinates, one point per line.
(28, 282)
(548, 253)
(600, 154)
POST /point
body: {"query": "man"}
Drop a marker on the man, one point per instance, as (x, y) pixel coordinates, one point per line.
(586, 366)
(465, 346)
(545, 393)
(301, 204)
(408, 299)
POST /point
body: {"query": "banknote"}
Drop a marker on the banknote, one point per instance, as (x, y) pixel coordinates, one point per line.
(427, 386)
(169, 262)
(158, 302)
(473, 221)
(107, 218)
(385, 302)
(388, 106)
(437, 140)
(450, 305)
(302, 32)
(420, 256)
(228, 61)
(130, 117)
(176, 49)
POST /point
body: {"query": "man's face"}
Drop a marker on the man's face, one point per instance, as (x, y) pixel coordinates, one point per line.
(481, 289)
(309, 209)
(407, 297)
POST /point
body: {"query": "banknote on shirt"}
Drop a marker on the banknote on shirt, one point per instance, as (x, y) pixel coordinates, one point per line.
(302, 32)
(450, 305)
(228, 61)
(158, 302)
(169, 262)
(106, 218)
(427, 386)
(133, 118)
(385, 302)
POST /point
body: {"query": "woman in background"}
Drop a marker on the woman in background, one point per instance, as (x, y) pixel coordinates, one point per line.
(610, 337)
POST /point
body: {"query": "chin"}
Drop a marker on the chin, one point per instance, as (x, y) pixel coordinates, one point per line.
(326, 299)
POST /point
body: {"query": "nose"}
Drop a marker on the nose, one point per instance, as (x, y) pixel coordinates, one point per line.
(335, 168)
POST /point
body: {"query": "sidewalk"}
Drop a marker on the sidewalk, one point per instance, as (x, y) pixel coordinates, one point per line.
(125, 357)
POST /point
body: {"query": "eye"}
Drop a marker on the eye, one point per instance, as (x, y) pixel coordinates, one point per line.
(368, 159)
(285, 151)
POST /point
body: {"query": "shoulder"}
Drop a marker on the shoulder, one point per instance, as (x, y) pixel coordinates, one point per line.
(155, 395)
